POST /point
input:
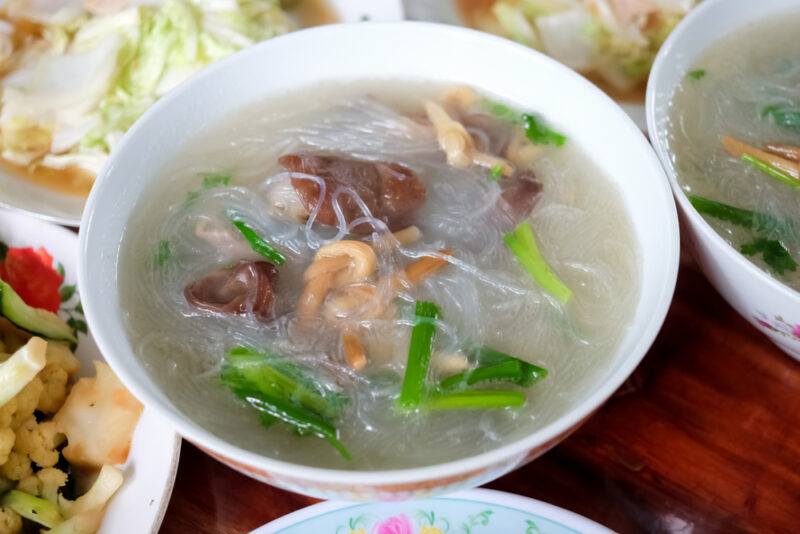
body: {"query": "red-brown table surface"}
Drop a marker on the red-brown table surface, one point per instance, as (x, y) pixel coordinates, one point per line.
(704, 437)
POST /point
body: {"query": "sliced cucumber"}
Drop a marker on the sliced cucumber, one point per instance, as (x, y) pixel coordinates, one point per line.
(41, 322)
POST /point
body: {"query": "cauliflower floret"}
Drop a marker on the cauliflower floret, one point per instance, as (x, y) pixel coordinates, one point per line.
(17, 467)
(27, 400)
(60, 355)
(30, 485)
(10, 521)
(98, 418)
(7, 413)
(7, 438)
(45, 483)
(52, 480)
(38, 441)
(54, 379)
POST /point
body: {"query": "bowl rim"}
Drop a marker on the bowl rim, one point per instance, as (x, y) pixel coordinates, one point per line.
(685, 27)
(492, 459)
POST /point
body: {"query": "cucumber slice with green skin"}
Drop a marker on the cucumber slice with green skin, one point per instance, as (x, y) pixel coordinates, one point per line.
(42, 322)
(33, 508)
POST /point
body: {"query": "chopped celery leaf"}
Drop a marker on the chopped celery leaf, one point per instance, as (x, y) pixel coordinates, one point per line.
(773, 252)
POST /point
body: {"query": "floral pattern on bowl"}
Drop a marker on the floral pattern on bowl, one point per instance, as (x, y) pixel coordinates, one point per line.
(778, 325)
(470, 512)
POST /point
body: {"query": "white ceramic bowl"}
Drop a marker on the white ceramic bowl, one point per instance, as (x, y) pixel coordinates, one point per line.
(22, 195)
(416, 51)
(766, 303)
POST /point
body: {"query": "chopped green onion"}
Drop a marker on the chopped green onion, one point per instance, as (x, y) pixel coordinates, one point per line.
(475, 399)
(419, 355)
(755, 220)
(696, 74)
(523, 244)
(164, 252)
(216, 179)
(280, 392)
(496, 366)
(775, 255)
(496, 172)
(539, 133)
(256, 242)
(771, 170)
(35, 509)
(787, 117)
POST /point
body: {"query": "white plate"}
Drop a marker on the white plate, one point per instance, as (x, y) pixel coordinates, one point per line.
(478, 511)
(446, 11)
(140, 504)
(19, 194)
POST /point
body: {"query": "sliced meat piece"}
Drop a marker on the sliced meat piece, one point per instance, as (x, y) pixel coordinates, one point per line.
(519, 196)
(248, 286)
(390, 191)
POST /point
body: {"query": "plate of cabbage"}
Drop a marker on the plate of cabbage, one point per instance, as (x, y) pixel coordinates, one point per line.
(76, 74)
(78, 453)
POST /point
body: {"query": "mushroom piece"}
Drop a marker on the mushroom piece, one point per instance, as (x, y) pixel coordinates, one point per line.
(519, 195)
(335, 265)
(458, 145)
(246, 287)
(737, 149)
(390, 191)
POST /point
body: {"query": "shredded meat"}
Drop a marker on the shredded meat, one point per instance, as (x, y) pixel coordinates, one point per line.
(519, 196)
(391, 191)
(248, 286)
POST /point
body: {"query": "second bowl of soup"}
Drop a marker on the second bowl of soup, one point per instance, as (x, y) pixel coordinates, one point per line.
(380, 277)
(724, 112)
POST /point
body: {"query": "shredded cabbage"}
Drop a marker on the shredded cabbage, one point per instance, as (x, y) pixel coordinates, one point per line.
(99, 64)
(617, 39)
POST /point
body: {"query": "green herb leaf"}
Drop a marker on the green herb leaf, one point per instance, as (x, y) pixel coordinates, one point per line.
(77, 325)
(696, 74)
(496, 366)
(79, 308)
(218, 179)
(523, 244)
(785, 116)
(475, 399)
(66, 292)
(496, 172)
(770, 170)
(257, 243)
(539, 133)
(761, 222)
(419, 355)
(276, 388)
(60, 269)
(775, 255)
(4, 251)
(163, 253)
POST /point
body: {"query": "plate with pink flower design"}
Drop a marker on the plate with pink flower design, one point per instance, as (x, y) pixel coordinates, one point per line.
(478, 511)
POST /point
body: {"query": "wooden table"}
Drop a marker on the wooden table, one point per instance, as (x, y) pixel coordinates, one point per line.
(704, 437)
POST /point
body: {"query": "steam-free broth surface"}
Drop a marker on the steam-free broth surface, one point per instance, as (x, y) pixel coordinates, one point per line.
(742, 98)
(486, 298)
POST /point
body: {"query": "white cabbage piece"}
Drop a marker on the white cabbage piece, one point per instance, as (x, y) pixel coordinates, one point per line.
(22, 367)
(57, 12)
(85, 514)
(564, 37)
(53, 93)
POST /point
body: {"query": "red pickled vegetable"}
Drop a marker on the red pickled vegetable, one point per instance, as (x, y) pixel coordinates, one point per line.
(32, 275)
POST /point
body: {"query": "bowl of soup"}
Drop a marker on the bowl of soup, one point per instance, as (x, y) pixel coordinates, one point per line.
(724, 115)
(362, 271)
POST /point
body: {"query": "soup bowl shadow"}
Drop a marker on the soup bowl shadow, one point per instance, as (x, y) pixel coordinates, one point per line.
(408, 51)
(770, 306)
